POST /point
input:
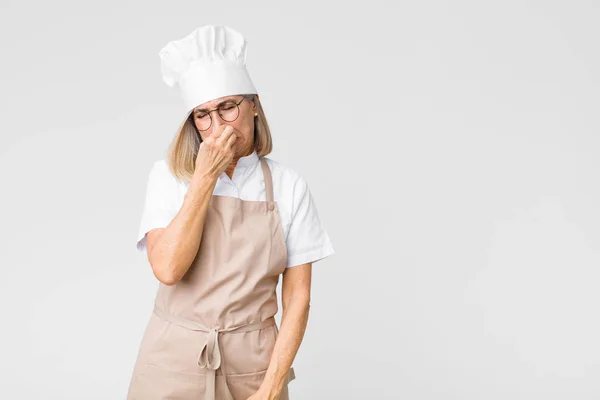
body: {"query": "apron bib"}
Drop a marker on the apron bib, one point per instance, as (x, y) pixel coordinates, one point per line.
(211, 335)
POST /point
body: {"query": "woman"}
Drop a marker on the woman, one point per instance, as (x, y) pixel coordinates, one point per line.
(221, 223)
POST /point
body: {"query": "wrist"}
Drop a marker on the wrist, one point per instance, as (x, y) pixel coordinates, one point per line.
(203, 178)
(271, 391)
(200, 187)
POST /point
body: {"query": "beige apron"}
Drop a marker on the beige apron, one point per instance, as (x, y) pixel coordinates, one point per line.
(211, 335)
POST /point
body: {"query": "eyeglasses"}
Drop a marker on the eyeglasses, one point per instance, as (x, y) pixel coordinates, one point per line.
(228, 111)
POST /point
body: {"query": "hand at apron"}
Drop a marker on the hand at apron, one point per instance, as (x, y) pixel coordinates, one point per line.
(216, 151)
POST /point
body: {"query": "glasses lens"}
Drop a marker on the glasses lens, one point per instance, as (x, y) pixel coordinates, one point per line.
(228, 111)
(202, 121)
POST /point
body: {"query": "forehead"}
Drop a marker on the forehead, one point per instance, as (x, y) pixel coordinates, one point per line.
(214, 103)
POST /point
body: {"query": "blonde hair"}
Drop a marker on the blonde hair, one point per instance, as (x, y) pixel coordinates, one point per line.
(182, 152)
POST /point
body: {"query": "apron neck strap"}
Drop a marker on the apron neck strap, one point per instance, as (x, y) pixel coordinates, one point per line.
(268, 179)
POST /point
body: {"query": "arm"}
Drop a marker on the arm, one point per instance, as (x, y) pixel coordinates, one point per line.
(171, 250)
(295, 293)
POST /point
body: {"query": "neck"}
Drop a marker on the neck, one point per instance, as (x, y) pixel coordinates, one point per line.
(231, 167)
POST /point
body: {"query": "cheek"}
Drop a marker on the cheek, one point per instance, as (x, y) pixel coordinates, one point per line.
(245, 127)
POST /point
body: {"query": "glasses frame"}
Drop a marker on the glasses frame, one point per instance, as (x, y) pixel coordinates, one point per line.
(209, 112)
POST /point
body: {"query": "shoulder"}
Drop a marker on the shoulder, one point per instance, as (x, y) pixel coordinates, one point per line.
(161, 173)
(160, 167)
(284, 175)
(162, 183)
(290, 187)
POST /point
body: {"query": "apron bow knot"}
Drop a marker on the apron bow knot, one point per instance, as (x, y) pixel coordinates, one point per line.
(210, 355)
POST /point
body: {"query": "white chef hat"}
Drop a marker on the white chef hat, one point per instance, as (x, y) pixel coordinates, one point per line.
(207, 64)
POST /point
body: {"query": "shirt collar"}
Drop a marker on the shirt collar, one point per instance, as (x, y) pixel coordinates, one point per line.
(248, 160)
(244, 162)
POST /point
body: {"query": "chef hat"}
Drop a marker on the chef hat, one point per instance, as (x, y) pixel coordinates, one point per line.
(207, 64)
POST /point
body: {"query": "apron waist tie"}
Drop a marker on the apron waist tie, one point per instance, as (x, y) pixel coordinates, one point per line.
(210, 353)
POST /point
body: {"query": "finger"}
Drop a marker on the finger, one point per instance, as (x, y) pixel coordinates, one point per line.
(225, 133)
(231, 140)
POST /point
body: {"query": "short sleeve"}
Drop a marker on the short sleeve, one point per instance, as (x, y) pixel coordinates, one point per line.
(162, 201)
(307, 240)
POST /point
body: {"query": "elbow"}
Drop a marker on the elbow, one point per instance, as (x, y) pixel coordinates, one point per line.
(165, 275)
(165, 269)
(168, 280)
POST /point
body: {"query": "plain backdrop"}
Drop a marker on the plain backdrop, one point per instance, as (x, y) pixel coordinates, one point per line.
(451, 148)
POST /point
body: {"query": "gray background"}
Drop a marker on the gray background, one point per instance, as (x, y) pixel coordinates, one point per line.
(451, 148)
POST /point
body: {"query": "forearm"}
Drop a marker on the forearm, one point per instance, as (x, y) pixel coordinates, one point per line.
(291, 332)
(178, 245)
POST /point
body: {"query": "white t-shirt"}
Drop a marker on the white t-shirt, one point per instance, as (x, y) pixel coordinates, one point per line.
(305, 236)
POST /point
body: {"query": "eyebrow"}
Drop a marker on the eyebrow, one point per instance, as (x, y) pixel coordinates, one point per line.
(218, 104)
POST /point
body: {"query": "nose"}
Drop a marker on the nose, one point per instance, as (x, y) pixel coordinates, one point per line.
(216, 119)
